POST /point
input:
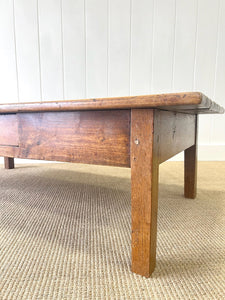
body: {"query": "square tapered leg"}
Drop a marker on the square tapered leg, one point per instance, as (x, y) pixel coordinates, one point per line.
(190, 168)
(155, 137)
(144, 192)
(9, 163)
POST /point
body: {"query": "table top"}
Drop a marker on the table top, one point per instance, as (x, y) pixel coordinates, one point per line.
(190, 102)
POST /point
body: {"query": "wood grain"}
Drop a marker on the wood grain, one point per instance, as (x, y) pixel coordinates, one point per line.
(177, 101)
(86, 137)
(175, 132)
(139, 137)
(9, 130)
(190, 167)
(9, 162)
(144, 191)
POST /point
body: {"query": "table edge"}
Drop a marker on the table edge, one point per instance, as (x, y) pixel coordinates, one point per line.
(190, 102)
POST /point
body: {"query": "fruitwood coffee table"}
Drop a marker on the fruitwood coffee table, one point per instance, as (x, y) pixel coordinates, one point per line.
(138, 132)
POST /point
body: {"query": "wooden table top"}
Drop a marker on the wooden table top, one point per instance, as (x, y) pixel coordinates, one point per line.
(190, 102)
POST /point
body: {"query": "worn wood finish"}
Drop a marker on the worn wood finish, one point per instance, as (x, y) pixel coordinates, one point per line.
(133, 131)
(206, 106)
(171, 128)
(190, 167)
(9, 130)
(9, 162)
(144, 191)
(185, 102)
(96, 137)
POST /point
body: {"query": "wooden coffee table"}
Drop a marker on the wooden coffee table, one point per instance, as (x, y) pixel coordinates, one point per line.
(139, 132)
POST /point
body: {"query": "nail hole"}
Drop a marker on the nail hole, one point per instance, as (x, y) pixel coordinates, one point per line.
(137, 142)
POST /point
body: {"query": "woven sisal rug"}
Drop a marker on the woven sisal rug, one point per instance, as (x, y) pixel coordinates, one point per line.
(65, 234)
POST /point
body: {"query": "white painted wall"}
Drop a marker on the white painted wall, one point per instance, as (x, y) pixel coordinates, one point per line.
(69, 49)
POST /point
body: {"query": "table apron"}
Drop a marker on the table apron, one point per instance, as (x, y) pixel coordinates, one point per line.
(95, 137)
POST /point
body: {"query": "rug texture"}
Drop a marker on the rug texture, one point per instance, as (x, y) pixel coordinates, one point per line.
(65, 234)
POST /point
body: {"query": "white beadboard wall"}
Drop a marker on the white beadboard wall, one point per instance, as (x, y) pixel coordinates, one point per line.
(71, 49)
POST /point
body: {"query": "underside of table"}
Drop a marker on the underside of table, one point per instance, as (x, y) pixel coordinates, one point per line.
(137, 132)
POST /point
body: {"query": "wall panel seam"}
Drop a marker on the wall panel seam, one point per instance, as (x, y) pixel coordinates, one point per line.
(174, 43)
(108, 36)
(62, 48)
(39, 50)
(153, 45)
(15, 48)
(196, 45)
(85, 47)
(216, 66)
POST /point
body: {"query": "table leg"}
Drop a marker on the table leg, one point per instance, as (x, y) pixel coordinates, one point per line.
(9, 162)
(190, 172)
(190, 168)
(144, 192)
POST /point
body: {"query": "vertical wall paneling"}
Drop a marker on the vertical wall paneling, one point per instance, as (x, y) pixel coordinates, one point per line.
(141, 46)
(70, 49)
(51, 49)
(73, 21)
(28, 60)
(206, 45)
(8, 69)
(206, 58)
(184, 46)
(163, 47)
(218, 128)
(119, 47)
(96, 47)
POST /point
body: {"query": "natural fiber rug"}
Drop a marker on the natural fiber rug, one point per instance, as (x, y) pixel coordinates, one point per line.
(65, 234)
